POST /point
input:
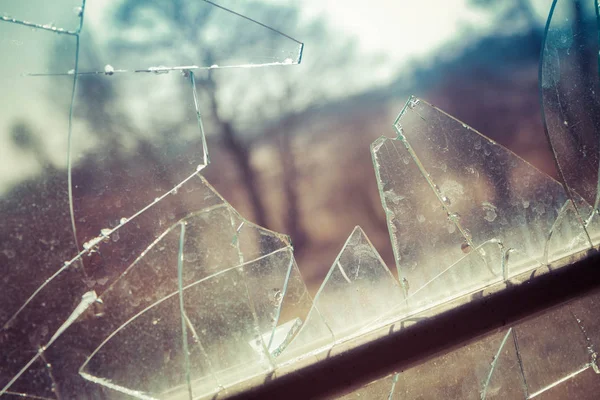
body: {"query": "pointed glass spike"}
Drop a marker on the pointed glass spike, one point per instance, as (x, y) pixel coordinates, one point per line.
(427, 244)
(552, 348)
(369, 292)
(60, 15)
(358, 289)
(570, 96)
(489, 192)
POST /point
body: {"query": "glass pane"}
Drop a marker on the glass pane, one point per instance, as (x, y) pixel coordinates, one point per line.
(486, 190)
(569, 92)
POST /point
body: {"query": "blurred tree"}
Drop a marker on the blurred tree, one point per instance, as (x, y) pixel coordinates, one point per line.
(242, 106)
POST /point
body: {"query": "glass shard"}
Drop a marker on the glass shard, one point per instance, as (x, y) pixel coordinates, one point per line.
(479, 189)
(358, 289)
(569, 96)
(234, 327)
(424, 240)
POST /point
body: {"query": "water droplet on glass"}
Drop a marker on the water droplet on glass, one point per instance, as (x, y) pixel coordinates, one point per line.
(109, 69)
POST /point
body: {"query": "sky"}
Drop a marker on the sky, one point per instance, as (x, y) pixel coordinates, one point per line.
(408, 28)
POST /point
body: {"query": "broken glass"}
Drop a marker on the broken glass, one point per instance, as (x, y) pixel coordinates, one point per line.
(81, 251)
(550, 356)
(169, 292)
(139, 37)
(569, 96)
(482, 369)
(358, 289)
(448, 190)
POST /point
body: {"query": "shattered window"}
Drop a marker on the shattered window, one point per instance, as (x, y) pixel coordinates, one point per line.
(127, 274)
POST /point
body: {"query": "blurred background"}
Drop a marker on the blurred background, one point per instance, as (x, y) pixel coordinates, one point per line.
(289, 145)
